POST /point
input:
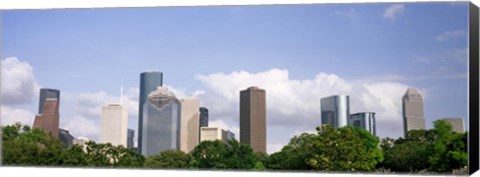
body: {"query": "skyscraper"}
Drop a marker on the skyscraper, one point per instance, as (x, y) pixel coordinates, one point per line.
(189, 126)
(203, 117)
(49, 118)
(215, 133)
(149, 81)
(114, 125)
(457, 124)
(335, 110)
(412, 108)
(161, 123)
(365, 120)
(48, 93)
(253, 128)
(130, 136)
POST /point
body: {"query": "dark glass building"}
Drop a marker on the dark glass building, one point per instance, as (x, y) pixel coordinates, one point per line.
(130, 136)
(66, 137)
(48, 93)
(253, 120)
(203, 117)
(149, 81)
(161, 123)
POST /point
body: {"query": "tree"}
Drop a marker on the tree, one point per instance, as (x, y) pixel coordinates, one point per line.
(293, 155)
(239, 156)
(218, 155)
(168, 159)
(346, 149)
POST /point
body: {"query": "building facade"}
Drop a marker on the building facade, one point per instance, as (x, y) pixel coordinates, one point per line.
(114, 124)
(130, 138)
(48, 93)
(203, 117)
(457, 124)
(66, 137)
(215, 133)
(335, 110)
(365, 120)
(49, 118)
(161, 123)
(189, 126)
(253, 127)
(149, 81)
(412, 109)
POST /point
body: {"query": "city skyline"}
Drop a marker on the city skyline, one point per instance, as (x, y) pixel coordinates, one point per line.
(301, 61)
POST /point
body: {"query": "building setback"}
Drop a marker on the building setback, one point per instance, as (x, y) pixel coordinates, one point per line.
(412, 109)
(48, 119)
(161, 123)
(48, 93)
(189, 126)
(335, 110)
(253, 128)
(457, 124)
(365, 120)
(203, 117)
(114, 125)
(149, 81)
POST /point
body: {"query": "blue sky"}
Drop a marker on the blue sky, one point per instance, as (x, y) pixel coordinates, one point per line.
(365, 46)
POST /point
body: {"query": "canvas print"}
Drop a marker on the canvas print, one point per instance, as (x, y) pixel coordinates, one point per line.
(348, 88)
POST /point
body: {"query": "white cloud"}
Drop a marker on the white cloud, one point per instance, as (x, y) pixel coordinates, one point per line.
(10, 116)
(293, 106)
(392, 11)
(80, 126)
(18, 83)
(451, 34)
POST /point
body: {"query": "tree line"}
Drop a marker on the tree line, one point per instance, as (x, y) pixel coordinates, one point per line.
(347, 149)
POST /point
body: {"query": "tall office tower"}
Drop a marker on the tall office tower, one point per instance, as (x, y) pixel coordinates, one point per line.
(365, 120)
(189, 124)
(457, 124)
(203, 117)
(215, 133)
(335, 110)
(161, 123)
(66, 137)
(412, 104)
(253, 127)
(48, 93)
(149, 81)
(48, 119)
(130, 136)
(114, 125)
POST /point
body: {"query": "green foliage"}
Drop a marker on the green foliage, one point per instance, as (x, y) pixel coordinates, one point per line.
(218, 155)
(346, 149)
(293, 156)
(169, 159)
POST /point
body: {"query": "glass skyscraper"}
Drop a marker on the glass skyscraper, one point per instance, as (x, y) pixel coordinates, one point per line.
(365, 120)
(203, 117)
(48, 93)
(161, 123)
(335, 110)
(149, 81)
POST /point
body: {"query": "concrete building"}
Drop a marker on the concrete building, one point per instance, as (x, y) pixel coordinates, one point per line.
(161, 123)
(203, 117)
(457, 124)
(365, 120)
(114, 125)
(130, 137)
(412, 109)
(215, 133)
(82, 142)
(253, 127)
(149, 81)
(335, 110)
(66, 137)
(49, 118)
(189, 126)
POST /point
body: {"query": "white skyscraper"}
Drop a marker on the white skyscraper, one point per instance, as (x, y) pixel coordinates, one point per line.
(189, 124)
(114, 125)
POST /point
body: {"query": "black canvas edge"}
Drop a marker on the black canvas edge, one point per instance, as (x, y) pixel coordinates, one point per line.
(473, 135)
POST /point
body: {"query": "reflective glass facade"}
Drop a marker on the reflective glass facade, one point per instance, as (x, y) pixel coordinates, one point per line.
(335, 110)
(365, 120)
(149, 81)
(161, 123)
(48, 93)
(203, 117)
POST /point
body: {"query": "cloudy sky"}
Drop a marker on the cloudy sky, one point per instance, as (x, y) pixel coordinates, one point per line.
(297, 53)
